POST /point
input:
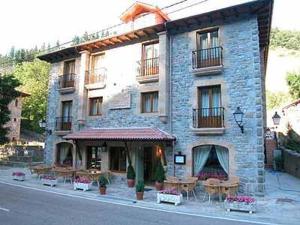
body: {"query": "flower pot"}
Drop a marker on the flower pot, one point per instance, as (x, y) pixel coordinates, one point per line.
(82, 186)
(170, 198)
(102, 190)
(139, 195)
(158, 186)
(130, 182)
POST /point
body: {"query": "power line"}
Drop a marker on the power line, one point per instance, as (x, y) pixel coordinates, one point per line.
(61, 46)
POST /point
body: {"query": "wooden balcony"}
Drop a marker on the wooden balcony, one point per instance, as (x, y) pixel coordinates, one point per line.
(208, 120)
(148, 70)
(207, 61)
(63, 124)
(66, 83)
(96, 78)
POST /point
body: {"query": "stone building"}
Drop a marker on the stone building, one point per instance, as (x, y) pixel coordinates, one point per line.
(165, 90)
(14, 125)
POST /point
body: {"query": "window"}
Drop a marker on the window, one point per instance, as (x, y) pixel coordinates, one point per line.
(94, 157)
(118, 159)
(15, 119)
(209, 113)
(150, 60)
(16, 102)
(150, 102)
(98, 71)
(95, 106)
(69, 67)
(207, 40)
(66, 109)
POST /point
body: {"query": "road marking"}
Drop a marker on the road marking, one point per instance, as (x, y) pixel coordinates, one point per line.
(4, 209)
(140, 206)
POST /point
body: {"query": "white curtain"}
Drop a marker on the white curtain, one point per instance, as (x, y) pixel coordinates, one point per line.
(223, 157)
(201, 154)
(204, 46)
(147, 103)
(78, 159)
(205, 102)
(214, 39)
(155, 102)
(216, 101)
(63, 152)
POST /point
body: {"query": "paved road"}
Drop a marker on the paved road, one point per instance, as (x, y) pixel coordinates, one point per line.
(30, 207)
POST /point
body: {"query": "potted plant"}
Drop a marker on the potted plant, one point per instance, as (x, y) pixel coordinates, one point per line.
(159, 176)
(241, 203)
(169, 195)
(18, 176)
(130, 176)
(139, 188)
(82, 183)
(49, 180)
(102, 185)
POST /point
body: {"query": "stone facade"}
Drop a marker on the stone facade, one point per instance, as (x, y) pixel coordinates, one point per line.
(242, 85)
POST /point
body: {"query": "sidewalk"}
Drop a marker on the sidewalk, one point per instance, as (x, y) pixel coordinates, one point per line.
(279, 206)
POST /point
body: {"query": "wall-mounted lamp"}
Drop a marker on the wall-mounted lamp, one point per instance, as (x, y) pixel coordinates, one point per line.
(238, 117)
(276, 119)
(43, 125)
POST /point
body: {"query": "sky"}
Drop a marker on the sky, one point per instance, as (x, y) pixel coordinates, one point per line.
(26, 23)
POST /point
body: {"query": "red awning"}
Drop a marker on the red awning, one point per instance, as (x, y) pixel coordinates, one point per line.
(129, 134)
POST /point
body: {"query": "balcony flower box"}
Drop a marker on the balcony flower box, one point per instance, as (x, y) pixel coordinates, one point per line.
(82, 183)
(240, 203)
(49, 181)
(18, 176)
(170, 196)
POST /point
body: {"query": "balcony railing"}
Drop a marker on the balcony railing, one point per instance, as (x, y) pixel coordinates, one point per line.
(66, 80)
(207, 57)
(148, 67)
(63, 123)
(96, 76)
(208, 117)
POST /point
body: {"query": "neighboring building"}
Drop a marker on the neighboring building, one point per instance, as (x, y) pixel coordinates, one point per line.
(14, 125)
(291, 117)
(166, 89)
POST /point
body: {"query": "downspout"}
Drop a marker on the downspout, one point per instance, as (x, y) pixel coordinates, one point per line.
(170, 98)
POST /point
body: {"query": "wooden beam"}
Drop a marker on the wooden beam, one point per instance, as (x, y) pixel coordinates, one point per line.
(117, 39)
(136, 34)
(109, 42)
(145, 33)
(99, 44)
(126, 37)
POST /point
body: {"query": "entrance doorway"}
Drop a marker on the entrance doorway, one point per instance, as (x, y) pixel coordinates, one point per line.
(94, 157)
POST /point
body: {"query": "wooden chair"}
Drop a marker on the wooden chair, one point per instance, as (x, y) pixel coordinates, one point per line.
(190, 186)
(212, 187)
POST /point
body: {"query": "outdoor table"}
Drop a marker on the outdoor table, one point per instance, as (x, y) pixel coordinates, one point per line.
(228, 188)
(41, 169)
(179, 185)
(65, 173)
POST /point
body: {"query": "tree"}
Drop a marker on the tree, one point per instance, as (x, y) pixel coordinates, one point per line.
(293, 81)
(34, 79)
(276, 99)
(8, 92)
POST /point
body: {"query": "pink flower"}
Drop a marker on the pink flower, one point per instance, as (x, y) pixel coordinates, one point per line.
(170, 192)
(246, 199)
(18, 174)
(83, 180)
(49, 177)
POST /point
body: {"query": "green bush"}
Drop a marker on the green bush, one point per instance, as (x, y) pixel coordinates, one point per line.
(130, 172)
(103, 181)
(292, 141)
(159, 175)
(140, 186)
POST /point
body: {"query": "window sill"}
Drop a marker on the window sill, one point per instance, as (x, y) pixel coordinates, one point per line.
(149, 114)
(99, 85)
(212, 70)
(62, 132)
(66, 90)
(209, 131)
(147, 79)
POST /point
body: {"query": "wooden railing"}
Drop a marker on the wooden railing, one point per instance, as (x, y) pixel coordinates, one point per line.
(63, 123)
(67, 80)
(207, 57)
(96, 76)
(208, 117)
(148, 67)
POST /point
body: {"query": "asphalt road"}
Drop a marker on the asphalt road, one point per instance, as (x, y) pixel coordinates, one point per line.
(20, 206)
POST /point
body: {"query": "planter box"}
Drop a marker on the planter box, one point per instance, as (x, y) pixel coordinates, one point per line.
(49, 182)
(19, 178)
(82, 186)
(176, 199)
(240, 206)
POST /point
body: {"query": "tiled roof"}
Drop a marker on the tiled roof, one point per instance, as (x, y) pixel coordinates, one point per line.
(137, 134)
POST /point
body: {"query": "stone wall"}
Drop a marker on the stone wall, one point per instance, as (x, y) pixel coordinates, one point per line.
(14, 124)
(241, 79)
(291, 162)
